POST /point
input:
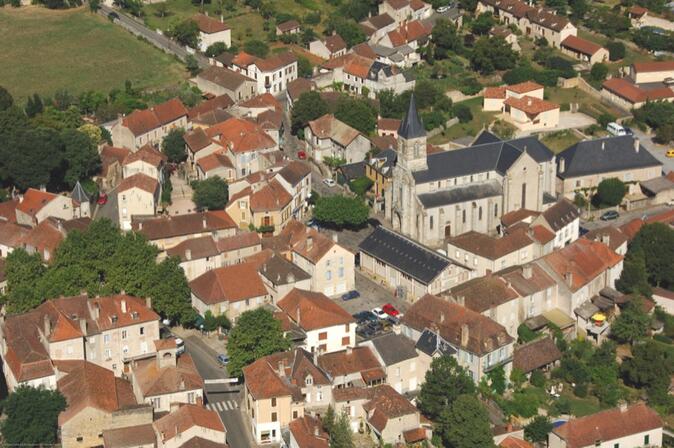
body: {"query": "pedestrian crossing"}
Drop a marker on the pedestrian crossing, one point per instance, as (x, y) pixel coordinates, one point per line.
(221, 406)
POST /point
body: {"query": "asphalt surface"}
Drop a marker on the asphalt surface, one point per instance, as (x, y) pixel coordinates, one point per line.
(228, 403)
(658, 151)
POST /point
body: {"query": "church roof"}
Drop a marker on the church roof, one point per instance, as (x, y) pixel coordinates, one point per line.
(411, 126)
(471, 192)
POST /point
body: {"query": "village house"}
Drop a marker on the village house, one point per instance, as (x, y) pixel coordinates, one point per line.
(272, 74)
(388, 126)
(329, 137)
(281, 276)
(522, 105)
(151, 125)
(584, 50)
(107, 331)
(296, 179)
(399, 357)
(353, 367)
(611, 236)
(307, 432)
(562, 219)
(403, 10)
(36, 205)
(237, 248)
(197, 255)
(627, 426)
(480, 343)
(413, 34)
(223, 81)
(541, 354)
(326, 325)
(111, 172)
(47, 236)
(212, 31)
(627, 95)
(376, 27)
(581, 167)
(280, 388)
(379, 169)
(190, 426)
(652, 71)
(267, 206)
(147, 160)
(331, 47)
(208, 112)
(295, 89)
(137, 196)
(288, 27)
(216, 164)
(166, 232)
(97, 401)
(392, 419)
(229, 290)
(507, 35)
(409, 268)
(330, 265)
(166, 378)
(133, 436)
(12, 235)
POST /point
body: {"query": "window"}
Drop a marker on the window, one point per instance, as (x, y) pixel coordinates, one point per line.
(647, 439)
(142, 331)
(616, 445)
(273, 416)
(125, 350)
(341, 272)
(294, 415)
(123, 334)
(463, 217)
(190, 398)
(479, 214)
(80, 438)
(106, 338)
(156, 402)
(322, 336)
(346, 340)
(328, 275)
(430, 222)
(496, 210)
(108, 354)
(273, 402)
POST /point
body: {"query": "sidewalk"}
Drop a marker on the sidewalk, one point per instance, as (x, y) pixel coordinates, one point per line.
(212, 340)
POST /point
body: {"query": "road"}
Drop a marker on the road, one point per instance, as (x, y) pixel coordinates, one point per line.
(657, 150)
(158, 40)
(624, 217)
(227, 403)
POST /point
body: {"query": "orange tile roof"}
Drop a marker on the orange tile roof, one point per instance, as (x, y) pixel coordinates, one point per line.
(266, 100)
(364, 50)
(542, 234)
(240, 241)
(307, 242)
(335, 43)
(169, 111)
(214, 161)
(243, 59)
(141, 122)
(308, 432)
(388, 124)
(637, 10)
(110, 155)
(185, 417)
(34, 200)
(514, 442)
(530, 105)
(239, 136)
(519, 215)
(313, 310)
(8, 211)
(330, 127)
(229, 284)
(153, 381)
(415, 435)
(146, 154)
(490, 247)
(12, 234)
(653, 66)
(524, 87)
(140, 181)
(181, 225)
(581, 45)
(219, 102)
(387, 404)
(276, 62)
(271, 197)
(633, 93)
(495, 92)
(357, 66)
(209, 25)
(111, 312)
(352, 360)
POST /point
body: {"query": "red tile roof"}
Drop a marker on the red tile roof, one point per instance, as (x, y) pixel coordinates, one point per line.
(229, 284)
(110, 155)
(186, 417)
(307, 242)
(170, 111)
(388, 124)
(514, 442)
(214, 161)
(313, 310)
(364, 50)
(308, 432)
(266, 100)
(271, 197)
(276, 62)
(153, 380)
(219, 102)
(495, 92)
(330, 127)
(147, 154)
(240, 241)
(34, 200)
(346, 362)
(288, 25)
(194, 249)
(415, 435)
(243, 59)
(181, 225)
(530, 105)
(240, 136)
(12, 234)
(143, 121)
(524, 87)
(638, 11)
(335, 43)
(653, 66)
(387, 404)
(209, 25)
(633, 93)
(608, 425)
(581, 45)
(140, 181)
(490, 247)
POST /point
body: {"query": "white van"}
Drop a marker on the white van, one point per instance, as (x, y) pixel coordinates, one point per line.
(616, 129)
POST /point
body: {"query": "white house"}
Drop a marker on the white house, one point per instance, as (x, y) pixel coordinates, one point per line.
(212, 31)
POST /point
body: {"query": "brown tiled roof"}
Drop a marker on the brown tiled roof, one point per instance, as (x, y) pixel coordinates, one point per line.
(147, 154)
(12, 234)
(536, 354)
(542, 234)
(89, 385)
(110, 155)
(387, 404)
(186, 417)
(111, 311)
(243, 59)
(308, 432)
(335, 43)
(271, 197)
(165, 344)
(330, 127)
(140, 181)
(307, 242)
(410, 32)
(265, 100)
(388, 124)
(615, 236)
(518, 215)
(240, 241)
(276, 62)
(633, 93)
(200, 442)
(638, 11)
(537, 280)
(490, 247)
(583, 259)
(129, 436)
(180, 225)
(357, 66)
(142, 121)
(653, 66)
(530, 105)
(524, 87)
(561, 214)
(169, 111)
(385, 142)
(240, 136)
(198, 248)
(294, 172)
(34, 200)
(209, 25)
(229, 284)
(415, 435)
(608, 425)
(364, 50)
(353, 360)
(514, 442)
(547, 19)
(482, 293)
(494, 92)
(313, 310)
(351, 394)
(217, 103)
(581, 45)
(298, 86)
(288, 25)
(280, 271)
(224, 77)
(214, 161)
(484, 335)
(153, 381)
(45, 238)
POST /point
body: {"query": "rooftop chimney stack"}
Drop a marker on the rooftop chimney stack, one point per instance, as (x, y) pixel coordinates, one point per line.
(310, 242)
(188, 254)
(636, 145)
(124, 306)
(562, 165)
(527, 271)
(465, 335)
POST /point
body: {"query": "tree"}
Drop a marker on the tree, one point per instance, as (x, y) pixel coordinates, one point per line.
(304, 67)
(173, 145)
(444, 382)
(210, 323)
(349, 29)
(361, 185)
(30, 156)
(560, 6)
(632, 324)
(341, 211)
(497, 380)
(468, 5)
(186, 32)
(256, 48)
(210, 194)
(634, 277)
(599, 72)
(616, 50)
(491, 54)
(357, 113)
(483, 23)
(192, 65)
(611, 192)
(6, 99)
(426, 93)
(578, 9)
(309, 106)
(162, 10)
(651, 367)
(92, 131)
(465, 424)
(94, 5)
(341, 436)
(445, 39)
(32, 416)
(23, 273)
(34, 106)
(656, 242)
(256, 334)
(462, 112)
(538, 429)
(308, 36)
(328, 419)
(215, 49)
(81, 156)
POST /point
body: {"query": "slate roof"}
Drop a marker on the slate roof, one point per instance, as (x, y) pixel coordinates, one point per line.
(404, 254)
(561, 214)
(461, 194)
(429, 343)
(485, 137)
(411, 126)
(394, 348)
(604, 155)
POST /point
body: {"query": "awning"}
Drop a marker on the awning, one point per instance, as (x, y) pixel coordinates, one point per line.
(559, 318)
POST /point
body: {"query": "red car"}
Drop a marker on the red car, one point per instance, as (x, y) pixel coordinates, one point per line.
(390, 310)
(301, 155)
(102, 199)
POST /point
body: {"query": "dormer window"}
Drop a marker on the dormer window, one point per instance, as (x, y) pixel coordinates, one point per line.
(309, 380)
(113, 318)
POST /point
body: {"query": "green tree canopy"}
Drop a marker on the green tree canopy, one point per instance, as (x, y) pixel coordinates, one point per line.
(32, 416)
(341, 436)
(357, 113)
(6, 99)
(632, 324)
(634, 276)
(215, 49)
(651, 367)
(490, 54)
(446, 39)
(81, 156)
(444, 382)
(538, 429)
(173, 145)
(210, 194)
(256, 48)
(23, 272)
(255, 335)
(309, 106)
(186, 32)
(656, 242)
(483, 23)
(341, 211)
(599, 72)
(616, 50)
(611, 192)
(465, 424)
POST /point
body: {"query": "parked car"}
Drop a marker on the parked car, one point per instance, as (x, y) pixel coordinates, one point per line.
(628, 131)
(609, 215)
(365, 331)
(180, 346)
(615, 129)
(379, 313)
(301, 155)
(329, 182)
(670, 153)
(390, 310)
(364, 317)
(351, 295)
(102, 199)
(444, 9)
(223, 360)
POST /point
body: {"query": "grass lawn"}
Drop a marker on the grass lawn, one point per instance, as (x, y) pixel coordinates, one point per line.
(45, 50)
(559, 141)
(480, 120)
(631, 55)
(581, 407)
(574, 95)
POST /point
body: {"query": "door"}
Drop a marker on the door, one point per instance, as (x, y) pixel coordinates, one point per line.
(524, 196)
(448, 231)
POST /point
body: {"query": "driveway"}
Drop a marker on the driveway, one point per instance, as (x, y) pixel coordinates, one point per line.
(567, 120)
(181, 196)
(109, 210)
(657, 150)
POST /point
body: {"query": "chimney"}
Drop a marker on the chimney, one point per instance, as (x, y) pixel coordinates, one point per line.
(203, 222)
(310, 242)
(603, 145)
(636, 145)
(464, 335)
(461, 300)
(528, 101)
(317, 431)
(83, 326)
(47, 326)
(569, 278)
(182, 384)
(188, 254)
(349, 350)
(124, 306)
(290, 278)
(298, 316)
(140, 225)
(281, 369)
(335, 238)
(606, 239)
(622, 405)
(148, 302)
(562, 165)
(442, 318)
(527, 271)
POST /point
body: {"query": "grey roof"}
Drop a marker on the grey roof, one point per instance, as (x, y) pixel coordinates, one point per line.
(411, 126)
(561, 214)
(78, 194)
(485, 137)
(404, 254)
(656, 185)
(394, 348)
(280, 271)
(353, 171)
(586, 310)
(461, 194)
(604, 155)
(377, 67)
(430, 344)
(481, 158)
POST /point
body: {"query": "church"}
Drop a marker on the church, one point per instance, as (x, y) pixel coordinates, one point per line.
(436, 196)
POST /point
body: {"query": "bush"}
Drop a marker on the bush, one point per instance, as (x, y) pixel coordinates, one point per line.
(525, 334)
(616, 50)
(599, 72)
(604, 119)
(537, 378)
(361, 185)
(210, 194)
(611, 192)
(580, 390)
(216, 49)
(463, 113)
(564, 107)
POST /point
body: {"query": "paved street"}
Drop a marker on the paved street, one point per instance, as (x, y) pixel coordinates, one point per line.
(624, 217)
(181, 196)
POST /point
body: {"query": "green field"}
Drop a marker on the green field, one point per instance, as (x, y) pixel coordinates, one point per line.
(480, 120)
(559, 141)
(45, 50)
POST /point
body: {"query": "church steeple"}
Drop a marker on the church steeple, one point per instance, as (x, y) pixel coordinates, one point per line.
(411, 126)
